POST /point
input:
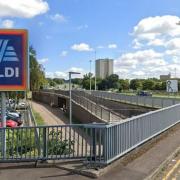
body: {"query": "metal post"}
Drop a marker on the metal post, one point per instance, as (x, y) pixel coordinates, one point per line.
(70, 101)
(90, 76)
(45, 143)
(3, 112)
(95, 72)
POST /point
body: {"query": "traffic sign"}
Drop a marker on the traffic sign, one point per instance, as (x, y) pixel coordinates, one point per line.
(13, 60)
(172, 86)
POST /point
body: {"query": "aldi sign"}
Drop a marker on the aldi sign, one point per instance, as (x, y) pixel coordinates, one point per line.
(13, 60)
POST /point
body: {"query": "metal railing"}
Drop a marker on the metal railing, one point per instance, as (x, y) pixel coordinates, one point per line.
(54, 142)
(154, 102)
(95, 143)
(97, 110)
(123, 137)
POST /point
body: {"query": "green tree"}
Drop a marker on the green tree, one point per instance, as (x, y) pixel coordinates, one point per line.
(136, 84)
(148, 84)
(37, 74)
(124, 84)
(58, 81)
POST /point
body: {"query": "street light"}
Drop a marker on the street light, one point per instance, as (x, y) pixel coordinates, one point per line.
(95, 71)
(70, 97)
(90, 76)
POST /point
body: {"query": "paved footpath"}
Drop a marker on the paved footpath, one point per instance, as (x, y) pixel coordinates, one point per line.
(51, 116)
(136, 170)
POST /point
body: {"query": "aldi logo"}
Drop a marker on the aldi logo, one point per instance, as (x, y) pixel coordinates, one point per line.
(7, 53)
(13, 60)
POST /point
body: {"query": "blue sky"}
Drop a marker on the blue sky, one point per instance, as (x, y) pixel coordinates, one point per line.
(142, 35)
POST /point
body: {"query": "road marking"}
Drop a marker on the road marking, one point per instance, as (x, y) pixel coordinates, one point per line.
(172, 170)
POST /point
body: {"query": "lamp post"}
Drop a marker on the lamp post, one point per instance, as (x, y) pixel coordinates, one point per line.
(90, 76)
(95, 71)
(70, 97)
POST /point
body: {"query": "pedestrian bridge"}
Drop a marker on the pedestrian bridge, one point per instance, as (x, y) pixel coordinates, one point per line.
(95, 143)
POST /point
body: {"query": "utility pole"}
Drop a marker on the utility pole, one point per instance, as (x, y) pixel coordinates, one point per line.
(3, 123)
(90, 75)
(95, 71)
(70, 97)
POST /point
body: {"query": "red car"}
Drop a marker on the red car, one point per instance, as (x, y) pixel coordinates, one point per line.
(10, 123)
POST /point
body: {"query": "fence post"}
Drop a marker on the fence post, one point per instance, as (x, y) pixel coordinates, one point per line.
(44, 143)
(109, 116)
(101, 112)
(94, 145)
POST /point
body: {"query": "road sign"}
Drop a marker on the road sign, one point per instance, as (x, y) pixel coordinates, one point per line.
(13, 60)
(172, 86)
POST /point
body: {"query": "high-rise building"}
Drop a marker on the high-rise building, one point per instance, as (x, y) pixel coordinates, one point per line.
(104, 68)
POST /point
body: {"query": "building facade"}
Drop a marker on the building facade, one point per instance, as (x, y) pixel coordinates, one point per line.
(165, 77)
(104, 68)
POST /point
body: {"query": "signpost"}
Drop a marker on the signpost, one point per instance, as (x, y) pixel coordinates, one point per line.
(172, 86)
(13, 68)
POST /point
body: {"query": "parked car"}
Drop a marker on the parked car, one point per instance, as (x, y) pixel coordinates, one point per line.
(10, 123)
(21, 105)
(13, 118)
(144, 93)
(13, 112)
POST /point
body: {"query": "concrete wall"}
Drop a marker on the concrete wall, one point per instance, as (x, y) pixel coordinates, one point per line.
(78, 112)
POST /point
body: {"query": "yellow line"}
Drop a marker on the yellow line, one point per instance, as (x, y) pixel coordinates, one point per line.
(171, 171)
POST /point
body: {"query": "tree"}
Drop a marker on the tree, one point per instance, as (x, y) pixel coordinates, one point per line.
(158, 86)
(37, 74)
(86, 81)
(135, 84)
(124, 84)
(148, 84)
(58, 81)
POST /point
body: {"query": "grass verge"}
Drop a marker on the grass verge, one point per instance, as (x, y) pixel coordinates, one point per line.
(39, 119)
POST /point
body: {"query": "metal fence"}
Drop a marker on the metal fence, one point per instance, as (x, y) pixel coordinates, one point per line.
(97, 110)
(54, 142)
(123, 137)
(95, 143)
(154, 102)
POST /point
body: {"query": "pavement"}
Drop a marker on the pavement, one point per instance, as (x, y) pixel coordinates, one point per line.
(51, 116)
(138, 168)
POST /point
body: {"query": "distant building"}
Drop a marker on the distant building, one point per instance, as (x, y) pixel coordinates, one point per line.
(165, 77)
(104, 68)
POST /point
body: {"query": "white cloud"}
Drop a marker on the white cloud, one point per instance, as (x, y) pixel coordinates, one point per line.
(58, 18)
(85, 26)
(43, 60)
(64, 53)
(65, 75)
(22, 8)
(81, 47)
(156, 42)
(138, 73)
(152, 27)
(139, 63)
(173, 44)
(100, 47)
(7, 24)
(112, 46)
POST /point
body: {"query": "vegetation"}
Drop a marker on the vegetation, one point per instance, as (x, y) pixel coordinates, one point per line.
(113, 82)
(38, 118)
(24, 143)
(37, 74)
